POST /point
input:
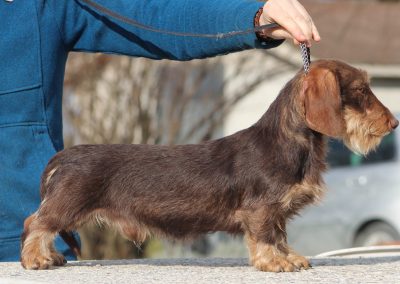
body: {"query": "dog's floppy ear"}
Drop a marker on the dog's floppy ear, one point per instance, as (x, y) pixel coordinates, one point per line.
(322, 103)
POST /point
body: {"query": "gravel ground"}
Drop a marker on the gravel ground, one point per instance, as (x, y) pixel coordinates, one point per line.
(208, 270)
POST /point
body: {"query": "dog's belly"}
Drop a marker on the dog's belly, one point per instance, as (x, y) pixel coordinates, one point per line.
(186, 226)
(137, 225)
(162, 211)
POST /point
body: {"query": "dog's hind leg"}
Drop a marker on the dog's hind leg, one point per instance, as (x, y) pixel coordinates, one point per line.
(37, 248)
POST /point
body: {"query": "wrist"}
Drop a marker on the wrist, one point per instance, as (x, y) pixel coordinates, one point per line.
(262, 35)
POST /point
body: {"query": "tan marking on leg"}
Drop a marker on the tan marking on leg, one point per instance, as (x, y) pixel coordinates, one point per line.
(266, 257)
(302, 194)
(37, 249)
(29, 220)
(300, 262)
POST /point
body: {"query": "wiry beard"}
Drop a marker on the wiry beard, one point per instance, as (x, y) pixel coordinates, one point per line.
(362, 146)
(362, 133)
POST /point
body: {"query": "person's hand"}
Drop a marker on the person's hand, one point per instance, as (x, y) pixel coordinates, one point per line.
(294, 20)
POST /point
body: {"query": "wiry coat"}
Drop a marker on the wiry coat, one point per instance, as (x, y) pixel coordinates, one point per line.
(250, 182)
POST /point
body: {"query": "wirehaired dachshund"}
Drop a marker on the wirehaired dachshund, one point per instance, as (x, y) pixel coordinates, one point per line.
(251, 182)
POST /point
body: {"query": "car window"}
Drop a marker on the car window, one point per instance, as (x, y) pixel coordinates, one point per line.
(339, 155)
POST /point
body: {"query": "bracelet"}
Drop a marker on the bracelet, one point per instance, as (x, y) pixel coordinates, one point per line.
(260, 34)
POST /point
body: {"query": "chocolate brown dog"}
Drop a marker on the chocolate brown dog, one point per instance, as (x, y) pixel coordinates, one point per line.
(251, 182)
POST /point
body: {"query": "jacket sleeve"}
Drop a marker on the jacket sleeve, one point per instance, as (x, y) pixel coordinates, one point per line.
(85, 28)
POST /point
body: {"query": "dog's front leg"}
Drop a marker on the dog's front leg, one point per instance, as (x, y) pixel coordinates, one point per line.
(297, 260)
(266, 256)
(268, 249)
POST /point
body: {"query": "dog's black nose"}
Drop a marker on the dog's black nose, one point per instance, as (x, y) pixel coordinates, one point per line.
(394, 123)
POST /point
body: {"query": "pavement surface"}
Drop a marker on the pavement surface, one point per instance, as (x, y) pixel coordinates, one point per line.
(208, 270)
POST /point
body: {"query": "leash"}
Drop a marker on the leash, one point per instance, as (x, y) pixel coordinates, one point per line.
(305, 51)
(136, 24)
(305, 55)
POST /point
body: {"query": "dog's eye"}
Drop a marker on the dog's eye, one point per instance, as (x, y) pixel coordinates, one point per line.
(361, 89)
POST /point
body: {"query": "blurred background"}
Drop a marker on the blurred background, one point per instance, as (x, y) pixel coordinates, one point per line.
(109, 99)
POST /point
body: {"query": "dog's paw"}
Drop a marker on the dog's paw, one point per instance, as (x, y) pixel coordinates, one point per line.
(300, 262)
(42, 262)
(274, 264)
(58, 259)
(35, 263)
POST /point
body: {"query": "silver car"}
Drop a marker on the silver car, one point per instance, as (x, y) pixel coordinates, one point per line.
(361, 206)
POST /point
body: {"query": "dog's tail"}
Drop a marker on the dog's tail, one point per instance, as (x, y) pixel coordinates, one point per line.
(71, 241)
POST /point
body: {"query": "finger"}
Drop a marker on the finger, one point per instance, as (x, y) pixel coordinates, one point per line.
(315, 33)
(312, 33)
(278, 33)
(300, 8)
(303, 19)
(278, 11)
(287, 23)
(295, 42)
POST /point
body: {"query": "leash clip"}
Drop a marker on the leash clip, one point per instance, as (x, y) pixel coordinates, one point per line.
(305, 55)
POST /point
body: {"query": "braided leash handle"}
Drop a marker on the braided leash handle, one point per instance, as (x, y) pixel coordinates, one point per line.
(305, 55)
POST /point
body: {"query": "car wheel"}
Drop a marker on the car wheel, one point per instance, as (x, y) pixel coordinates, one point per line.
(376, 233)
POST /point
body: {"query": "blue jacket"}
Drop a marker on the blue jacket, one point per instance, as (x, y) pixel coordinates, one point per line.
(35, 39)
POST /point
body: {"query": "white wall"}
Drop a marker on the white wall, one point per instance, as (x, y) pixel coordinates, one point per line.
(253, 106)
(390, 97)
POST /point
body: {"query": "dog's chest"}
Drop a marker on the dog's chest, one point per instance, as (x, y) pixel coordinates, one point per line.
(302, 194)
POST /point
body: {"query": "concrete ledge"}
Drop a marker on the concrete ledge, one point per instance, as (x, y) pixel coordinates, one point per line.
(207, 270)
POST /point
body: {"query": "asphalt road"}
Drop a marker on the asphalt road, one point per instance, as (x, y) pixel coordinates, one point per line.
(216, 270)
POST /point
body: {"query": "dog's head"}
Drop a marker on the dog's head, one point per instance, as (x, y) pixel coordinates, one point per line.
(339, 103)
